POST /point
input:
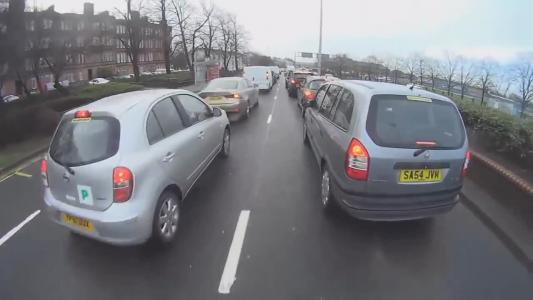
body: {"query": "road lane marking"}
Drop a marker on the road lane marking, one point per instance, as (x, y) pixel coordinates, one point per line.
(275, 97)
(23, 174)
(7, 177)
(230, 269)
(18, 227)
(269, 119)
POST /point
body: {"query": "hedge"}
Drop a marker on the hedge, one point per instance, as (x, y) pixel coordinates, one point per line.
(504, 133)
(37, 116)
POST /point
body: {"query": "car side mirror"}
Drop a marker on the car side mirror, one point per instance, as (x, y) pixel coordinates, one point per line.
(217, 112)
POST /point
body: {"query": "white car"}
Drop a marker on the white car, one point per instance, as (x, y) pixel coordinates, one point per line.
(98, 81)
(10, 98)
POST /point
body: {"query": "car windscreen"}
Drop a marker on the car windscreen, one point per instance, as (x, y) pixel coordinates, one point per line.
(223, 84)
(399, 121)
(315, 84)
(81, 142)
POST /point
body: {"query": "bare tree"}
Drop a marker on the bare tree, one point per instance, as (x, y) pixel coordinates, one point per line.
(466, 74)
(524, 78)
(486, 72)
(410, 66)
(189, 27)
(36, 50)
(420, 68)
(433, 67)
(224, 41)
(238, 40)
(208, 35)
(134, 34)
(160, 8)
(56, 56)
(449, 69)
(15, 37)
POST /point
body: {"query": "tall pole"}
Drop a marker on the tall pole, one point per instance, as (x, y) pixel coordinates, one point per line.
(320, 43)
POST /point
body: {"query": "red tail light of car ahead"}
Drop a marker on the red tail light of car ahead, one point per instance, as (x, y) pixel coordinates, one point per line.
(44, 172)
(466, 163)
(234, 96)
(357, 161)
(309, 95)
(122, 184)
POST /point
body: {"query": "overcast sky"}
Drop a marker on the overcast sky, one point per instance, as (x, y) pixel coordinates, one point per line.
(495, 29)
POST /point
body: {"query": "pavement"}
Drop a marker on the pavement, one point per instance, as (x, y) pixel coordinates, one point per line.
(287, 248)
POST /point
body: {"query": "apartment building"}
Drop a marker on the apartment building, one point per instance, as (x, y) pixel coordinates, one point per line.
(92, 45)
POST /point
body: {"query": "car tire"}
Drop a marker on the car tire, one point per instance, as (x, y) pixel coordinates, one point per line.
(305, 136)
(226, 144)
(326, 196)
(166, 218)
(246, 114)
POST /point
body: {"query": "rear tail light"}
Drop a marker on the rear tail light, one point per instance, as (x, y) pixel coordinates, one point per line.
(44, 172)
(357, 161)
(466, 163)
(293, 81)
(234, 95)
(122, 184)
(82, 114)
(309, 95)
(235, 110)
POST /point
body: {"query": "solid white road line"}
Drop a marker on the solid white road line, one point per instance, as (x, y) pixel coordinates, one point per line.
(275, 97)
(230, 269)
(269, 119)
(18, 227)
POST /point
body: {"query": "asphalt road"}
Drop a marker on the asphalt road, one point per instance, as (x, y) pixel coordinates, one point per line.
(290, 250)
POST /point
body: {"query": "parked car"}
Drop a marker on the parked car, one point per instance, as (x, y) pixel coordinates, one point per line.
(235, 95)
(308, 91)
(387, 152)
(262, 76)
(10, 98)
(119, 168)
(295, 80)
(98, 81)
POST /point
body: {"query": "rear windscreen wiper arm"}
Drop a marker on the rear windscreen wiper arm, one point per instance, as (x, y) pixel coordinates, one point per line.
(419, 151)
(69, 169)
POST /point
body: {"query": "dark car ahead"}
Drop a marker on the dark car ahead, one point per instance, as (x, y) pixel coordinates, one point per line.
(295, 81)
(307, 92)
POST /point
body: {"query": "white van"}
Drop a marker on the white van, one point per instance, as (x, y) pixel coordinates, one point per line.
(261, 76)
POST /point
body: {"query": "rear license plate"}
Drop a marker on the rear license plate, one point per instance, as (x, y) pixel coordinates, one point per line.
(214, 98)
(78, 222)
(421, 175)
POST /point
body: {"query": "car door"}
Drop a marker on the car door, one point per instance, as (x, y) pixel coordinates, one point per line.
(324, 119)
(311, 116)
(254, 92)
(245, 92)
(170, 141)
(207, 130)
(336, 127)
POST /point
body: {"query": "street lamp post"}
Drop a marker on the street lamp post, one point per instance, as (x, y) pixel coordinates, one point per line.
(320, 43)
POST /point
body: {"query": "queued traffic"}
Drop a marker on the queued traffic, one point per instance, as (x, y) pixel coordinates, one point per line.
(119, 169)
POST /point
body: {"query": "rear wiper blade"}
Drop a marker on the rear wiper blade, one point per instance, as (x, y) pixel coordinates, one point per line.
(419, 151)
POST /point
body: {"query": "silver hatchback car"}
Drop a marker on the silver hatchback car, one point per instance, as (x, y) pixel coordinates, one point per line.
(118, 169)
(387, 152)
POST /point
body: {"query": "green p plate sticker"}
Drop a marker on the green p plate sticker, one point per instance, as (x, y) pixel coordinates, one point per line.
(418, 98)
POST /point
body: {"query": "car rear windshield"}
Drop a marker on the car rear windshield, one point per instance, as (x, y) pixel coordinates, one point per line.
(84, 142)
(223, 84)
(315, 84)
(401, 121)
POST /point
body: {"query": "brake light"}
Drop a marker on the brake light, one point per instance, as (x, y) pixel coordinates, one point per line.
(466, 163)
(293, 81)
(309, 95)
(426, 143)
(236, 110)
(82, 114)
(44, 172)
(122, 184)
(235, 95)
(357, 161)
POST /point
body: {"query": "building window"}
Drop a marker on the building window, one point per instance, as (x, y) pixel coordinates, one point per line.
(150, 56)
(81, 26)
(96, 41)
(79, 42)
(121, 29)
(47, 23)
(81, 59)
(122, 57)
(69, 58)
(96, 25)
(30, 25)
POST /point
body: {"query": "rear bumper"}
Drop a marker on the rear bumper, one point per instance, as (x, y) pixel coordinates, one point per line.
(118, 225)
(230, 110)
(394, 208)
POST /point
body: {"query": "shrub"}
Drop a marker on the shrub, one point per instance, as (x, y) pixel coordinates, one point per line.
(504, 133)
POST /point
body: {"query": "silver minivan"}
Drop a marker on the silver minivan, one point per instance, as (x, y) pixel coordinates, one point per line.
(386, 152)
(118, 169)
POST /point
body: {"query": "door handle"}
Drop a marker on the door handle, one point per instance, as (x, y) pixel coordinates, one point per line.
(201, 135)
(168, 157)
